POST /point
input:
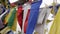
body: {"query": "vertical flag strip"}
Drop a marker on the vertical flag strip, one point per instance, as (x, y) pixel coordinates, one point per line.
(12, 17)
(26, 8)
(41, 22)
(8, 16)
(4, 16)
(20, 16)
(26, 21)
(14, 23)
(55, 28)
(34, 11)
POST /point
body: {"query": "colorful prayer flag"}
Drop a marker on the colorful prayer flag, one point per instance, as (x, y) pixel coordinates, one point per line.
(55, 28)
(34, 11)
(12, 17)
(20, 16)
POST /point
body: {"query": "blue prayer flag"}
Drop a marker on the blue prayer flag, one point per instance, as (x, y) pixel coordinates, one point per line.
(34, 11)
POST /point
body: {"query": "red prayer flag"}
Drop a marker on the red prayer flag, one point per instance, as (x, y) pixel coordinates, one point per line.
(26, 21)
(20, 16)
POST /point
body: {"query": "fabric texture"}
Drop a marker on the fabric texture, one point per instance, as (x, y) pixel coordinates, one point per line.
(41, 22)
(12, 17)
(26, 21)
(55, 28)
(20, 16)
(34, 11)
(25, 8)
(14, 26)
(8, 16)
(1, 16)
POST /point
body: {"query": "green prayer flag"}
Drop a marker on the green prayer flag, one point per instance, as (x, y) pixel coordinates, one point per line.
(11, 19)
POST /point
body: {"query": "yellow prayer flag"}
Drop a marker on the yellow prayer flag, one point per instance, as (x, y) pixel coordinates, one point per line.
(55, 28)
(8, 16)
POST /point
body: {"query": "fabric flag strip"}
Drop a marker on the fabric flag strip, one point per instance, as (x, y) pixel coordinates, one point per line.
(55, 28)
(8, 16)
(14, 23)
(34, 11)
(41, 22)
(26, 7)
(26, 21)
(4, 15)
(20, 16)
(11, 19)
